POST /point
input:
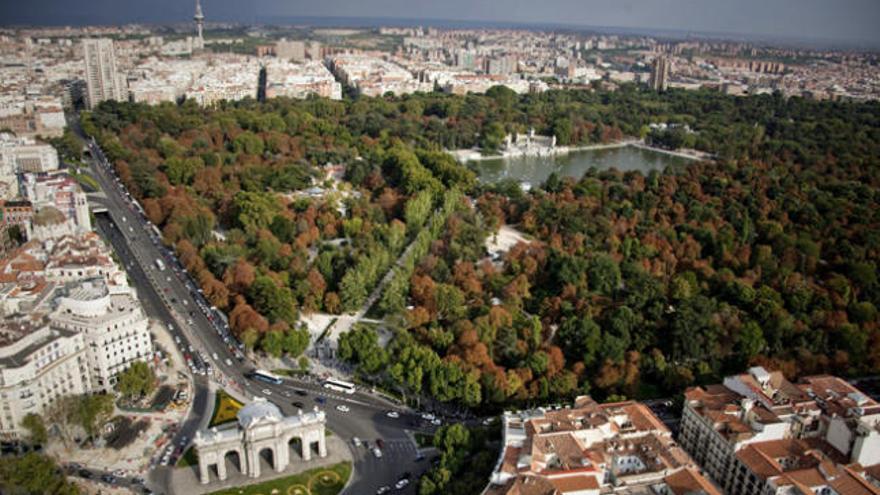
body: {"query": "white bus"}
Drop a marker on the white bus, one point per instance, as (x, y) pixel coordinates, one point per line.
(339, 386)
(265, 376)
(160, 265)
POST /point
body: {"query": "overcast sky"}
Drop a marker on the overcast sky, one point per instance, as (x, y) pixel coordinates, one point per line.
(841, 20)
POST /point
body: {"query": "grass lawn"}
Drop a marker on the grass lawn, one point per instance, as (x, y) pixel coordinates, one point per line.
(225, 409)
(319, 481)
(189, 458)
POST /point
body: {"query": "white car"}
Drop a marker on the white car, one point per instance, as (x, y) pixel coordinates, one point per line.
(377, 452)
(342, 408)
(356, 441)
(228, 362)
(266, 391)
(402, 483)
(427, 416)
(215, 356)
(393, 414)
(436, 422)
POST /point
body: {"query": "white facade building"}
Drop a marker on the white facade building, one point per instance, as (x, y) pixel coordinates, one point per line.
(732, 429)
(23, 155)
(37, 365)
(113, 325)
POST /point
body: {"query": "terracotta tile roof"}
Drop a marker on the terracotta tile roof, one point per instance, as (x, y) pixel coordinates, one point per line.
(689, 481)
(873, 472)
(530, 485)
(568, 484)
(850, 483)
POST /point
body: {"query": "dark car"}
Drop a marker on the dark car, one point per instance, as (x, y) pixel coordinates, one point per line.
(320, 400)
(297, 404)
(109, 479)
(380, 443)
(85, 473)
(301, 393)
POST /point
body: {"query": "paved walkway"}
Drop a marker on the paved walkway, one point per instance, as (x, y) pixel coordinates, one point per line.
(185, 480)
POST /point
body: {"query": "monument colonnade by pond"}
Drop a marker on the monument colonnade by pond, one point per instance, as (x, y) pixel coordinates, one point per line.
(261, 428)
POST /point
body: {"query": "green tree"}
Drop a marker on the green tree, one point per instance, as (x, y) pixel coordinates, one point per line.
(274, 302)
(92, 411)
(273, 343)
(180, 171)
(36, 427)
(492, 137)
(255, 210)
(33, 474)
(296, 340)
(139, 380)
(360, 346)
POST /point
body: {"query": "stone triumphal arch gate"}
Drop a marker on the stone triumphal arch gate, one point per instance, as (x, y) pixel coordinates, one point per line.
(261, 430)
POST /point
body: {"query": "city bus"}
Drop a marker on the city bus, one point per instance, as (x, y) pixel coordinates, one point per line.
(160, 265)
(265, 376)
(339, 385)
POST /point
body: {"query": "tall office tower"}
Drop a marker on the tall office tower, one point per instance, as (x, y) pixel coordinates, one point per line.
(660, 73)
(102, 78)
(199, 42)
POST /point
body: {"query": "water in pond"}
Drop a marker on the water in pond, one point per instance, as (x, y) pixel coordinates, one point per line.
(536, 169)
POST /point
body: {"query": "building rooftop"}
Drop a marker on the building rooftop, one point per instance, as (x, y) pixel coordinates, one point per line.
(689, 481)
(12, 331)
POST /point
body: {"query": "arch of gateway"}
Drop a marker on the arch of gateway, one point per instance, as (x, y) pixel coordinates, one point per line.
(261, 431)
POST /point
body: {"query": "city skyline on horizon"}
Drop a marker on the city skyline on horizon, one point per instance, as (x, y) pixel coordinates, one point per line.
(783, 20)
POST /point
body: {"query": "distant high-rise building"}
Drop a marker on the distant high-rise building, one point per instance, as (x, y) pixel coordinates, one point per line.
(199, 42)
(313, 51)
(294, 51)
(503, 65)
(465, 59)
(660, 73)
(102, 78)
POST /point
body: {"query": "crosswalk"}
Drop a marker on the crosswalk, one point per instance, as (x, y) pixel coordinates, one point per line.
(393, 452)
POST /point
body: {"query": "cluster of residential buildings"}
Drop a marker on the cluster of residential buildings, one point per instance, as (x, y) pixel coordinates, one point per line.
(69, 322)
(46, 70)
(375, 76)
(754, 434)
(76, 340)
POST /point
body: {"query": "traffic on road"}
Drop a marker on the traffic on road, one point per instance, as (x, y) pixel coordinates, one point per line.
(212, 352)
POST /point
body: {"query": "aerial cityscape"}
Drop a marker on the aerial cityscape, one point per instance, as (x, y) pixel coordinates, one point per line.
(402, 247)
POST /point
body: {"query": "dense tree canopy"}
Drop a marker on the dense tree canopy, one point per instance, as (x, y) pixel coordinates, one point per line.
(635, 285)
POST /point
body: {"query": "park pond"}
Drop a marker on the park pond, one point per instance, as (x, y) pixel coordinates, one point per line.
(534, 170)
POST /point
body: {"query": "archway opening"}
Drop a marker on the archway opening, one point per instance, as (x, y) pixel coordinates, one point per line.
(268, 455)
(315, 450)
(295, 444)
(233, 459)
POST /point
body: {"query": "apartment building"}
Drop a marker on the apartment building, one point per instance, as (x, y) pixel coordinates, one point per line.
(749, 431)
(590, 449)
(102, 77)
(113, 325)
(37, 365)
